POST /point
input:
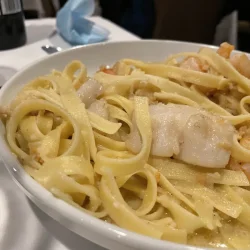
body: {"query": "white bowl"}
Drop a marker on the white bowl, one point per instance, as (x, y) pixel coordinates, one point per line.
(95, 230)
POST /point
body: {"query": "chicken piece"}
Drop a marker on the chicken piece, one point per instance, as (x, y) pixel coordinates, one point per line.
(225, 50)
(241, 63)
(89, 91)
(100, 108)
(206, 141)
(188, 134)
(194, 63)
(167, 123)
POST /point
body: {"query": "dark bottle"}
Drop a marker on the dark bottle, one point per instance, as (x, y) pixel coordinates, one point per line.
(12, 28)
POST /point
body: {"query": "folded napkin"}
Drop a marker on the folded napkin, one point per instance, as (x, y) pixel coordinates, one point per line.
(75, 28)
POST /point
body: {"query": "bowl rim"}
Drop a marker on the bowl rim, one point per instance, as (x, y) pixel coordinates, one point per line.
(37, 192)
(89, 46)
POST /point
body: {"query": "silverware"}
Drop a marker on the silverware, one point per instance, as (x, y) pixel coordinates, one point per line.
(51, 49)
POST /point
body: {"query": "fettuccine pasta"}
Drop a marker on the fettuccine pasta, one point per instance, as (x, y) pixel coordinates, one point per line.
(161, 149)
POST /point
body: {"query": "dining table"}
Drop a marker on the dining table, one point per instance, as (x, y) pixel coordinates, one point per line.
(23, 226)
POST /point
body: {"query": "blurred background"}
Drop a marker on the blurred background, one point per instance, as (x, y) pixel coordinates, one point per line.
(207, 21)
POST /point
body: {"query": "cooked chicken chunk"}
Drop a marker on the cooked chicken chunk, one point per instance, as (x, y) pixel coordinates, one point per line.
(187, 133)
(100, 108)
(225, 50)
(193, 63)
(241, 63)
(89, 91)
(167, 123)
(206, 141)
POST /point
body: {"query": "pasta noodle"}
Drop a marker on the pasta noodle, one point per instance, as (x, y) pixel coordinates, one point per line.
(160, 149)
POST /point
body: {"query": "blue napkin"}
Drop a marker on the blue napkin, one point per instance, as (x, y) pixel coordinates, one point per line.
(75, 28)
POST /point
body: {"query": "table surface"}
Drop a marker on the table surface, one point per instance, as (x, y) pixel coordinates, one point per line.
(42, 32)
(23, 226)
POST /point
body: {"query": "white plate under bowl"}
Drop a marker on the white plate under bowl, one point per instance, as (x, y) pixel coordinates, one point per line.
(95, 230)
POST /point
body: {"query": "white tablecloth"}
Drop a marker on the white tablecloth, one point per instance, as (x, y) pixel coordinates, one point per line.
(40, 32)
(23, 226)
